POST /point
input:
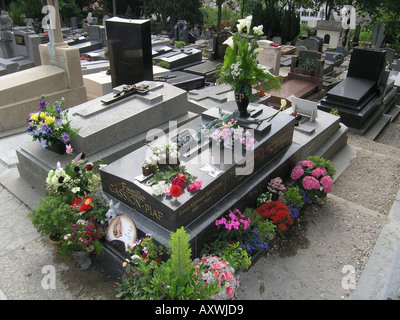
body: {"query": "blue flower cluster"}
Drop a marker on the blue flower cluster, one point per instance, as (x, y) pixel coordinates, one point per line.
(254, 242)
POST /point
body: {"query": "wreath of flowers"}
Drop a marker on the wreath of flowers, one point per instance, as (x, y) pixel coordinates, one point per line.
(228, 133)
(217, 269)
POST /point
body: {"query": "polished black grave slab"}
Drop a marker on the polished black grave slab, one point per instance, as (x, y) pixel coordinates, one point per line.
(352, 92)
(219, 180)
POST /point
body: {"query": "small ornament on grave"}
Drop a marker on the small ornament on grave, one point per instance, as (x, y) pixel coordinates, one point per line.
(51, 127)
(169, 178)
(241, 69)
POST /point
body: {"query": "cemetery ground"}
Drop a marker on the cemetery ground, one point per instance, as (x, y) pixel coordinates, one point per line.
(308, 265)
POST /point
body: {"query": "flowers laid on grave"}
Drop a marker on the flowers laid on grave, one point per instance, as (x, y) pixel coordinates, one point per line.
(241, 69)
(76, 179)
(230, 134)
(177, 278)
(167, 154)
(277, 212)
(313, 178)
(292, 197)
(276, 188)
(144, 248)
(218, 270)
(169, 178)
(85, 235)
(50, 126)
(234, 226)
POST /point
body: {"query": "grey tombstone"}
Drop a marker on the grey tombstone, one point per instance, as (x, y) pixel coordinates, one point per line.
(129, 50)
(181, 31)
(378, 34)
(74, 23)
(218, 44)
(277, 40)
(6, 38)
(313, 43)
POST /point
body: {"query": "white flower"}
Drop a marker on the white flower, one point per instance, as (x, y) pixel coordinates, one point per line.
(75, 189)
(159, 188)
(283, 103)
(229, 42)
(258, 30)
(248, 23)
(241, 25)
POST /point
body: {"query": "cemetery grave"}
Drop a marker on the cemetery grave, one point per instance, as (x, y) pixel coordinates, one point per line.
(178, 103)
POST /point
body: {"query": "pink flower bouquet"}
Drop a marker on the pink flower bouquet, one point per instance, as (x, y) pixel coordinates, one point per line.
(219, 270)
(314, 181)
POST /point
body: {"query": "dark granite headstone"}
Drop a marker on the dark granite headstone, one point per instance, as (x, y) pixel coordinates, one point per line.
(358, 98)
(181, 31)
(314, 43)
(129, 49)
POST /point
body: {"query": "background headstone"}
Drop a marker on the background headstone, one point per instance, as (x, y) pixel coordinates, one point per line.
(129, 50)
(378, 34)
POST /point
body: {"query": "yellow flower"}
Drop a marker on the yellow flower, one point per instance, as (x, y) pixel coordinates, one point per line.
(34, 117)
(43, 115)
(49, 120)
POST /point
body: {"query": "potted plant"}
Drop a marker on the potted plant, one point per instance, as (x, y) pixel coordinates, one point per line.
(83, 239)
(53, 217)
(51, 127)
(146, 248)
(233, 227)
(313, 177)
(241, 69)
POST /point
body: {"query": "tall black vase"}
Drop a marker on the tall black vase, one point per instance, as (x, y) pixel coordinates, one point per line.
(242, 102)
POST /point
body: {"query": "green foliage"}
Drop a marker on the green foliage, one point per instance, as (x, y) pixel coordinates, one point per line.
(162, 64)
(321, 162)
(293, 197)
(174, 279)
(53, 216)
(210, 16)
(265, 227)
(15, 12)
(306, 64)
(237, 257)
(180, 44)
(180, 252)
(276, 20)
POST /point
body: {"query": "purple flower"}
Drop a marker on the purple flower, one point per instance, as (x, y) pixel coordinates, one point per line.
(43, 143)
(65, 137)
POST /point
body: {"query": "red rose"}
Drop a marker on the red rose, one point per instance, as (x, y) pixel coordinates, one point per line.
(175, 190)
(179, 181)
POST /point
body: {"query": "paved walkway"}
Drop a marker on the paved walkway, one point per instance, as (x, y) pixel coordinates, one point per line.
(320, 261)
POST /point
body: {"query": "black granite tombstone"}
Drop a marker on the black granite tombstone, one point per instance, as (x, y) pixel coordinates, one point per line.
(221, 186)
(129, 49)
(359, 95)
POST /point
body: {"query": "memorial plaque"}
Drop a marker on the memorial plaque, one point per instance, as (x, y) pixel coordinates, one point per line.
(129, 49)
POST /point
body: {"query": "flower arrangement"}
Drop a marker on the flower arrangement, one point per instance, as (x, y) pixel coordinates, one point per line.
(277, 212)
(254, 242)
(276, 188)
(168, 180)
(315, 181)
(145, 248)
(76, 179)
(50, 126)
(161, 154)
(217, 269)
(85, 235)
(233, 226)
(241, 69)
(292, 197)
(228, 133)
